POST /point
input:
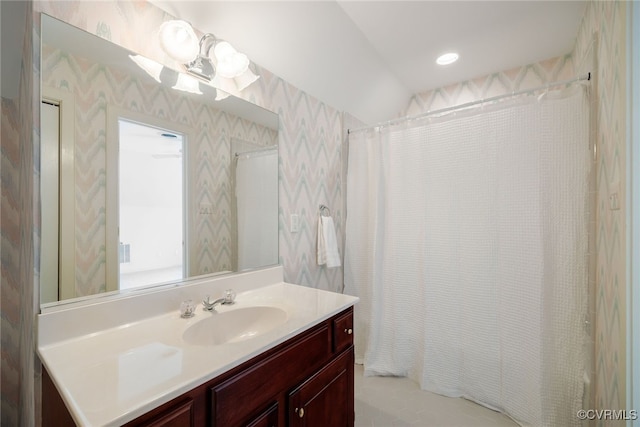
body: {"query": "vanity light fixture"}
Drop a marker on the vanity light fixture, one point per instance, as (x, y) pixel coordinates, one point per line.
(178, 39)
(210, 59)
(447, 58)
(201, 66)
(186, 83)
(231, 63)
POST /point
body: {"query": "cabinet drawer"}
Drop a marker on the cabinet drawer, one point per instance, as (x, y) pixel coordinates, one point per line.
(343, 331)
(255, 387)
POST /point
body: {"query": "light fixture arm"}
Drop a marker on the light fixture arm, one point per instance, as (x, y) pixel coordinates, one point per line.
(202, 66)
(206, 44)
(206, 57)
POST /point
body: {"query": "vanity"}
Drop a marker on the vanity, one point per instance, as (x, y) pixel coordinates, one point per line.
(281, 355)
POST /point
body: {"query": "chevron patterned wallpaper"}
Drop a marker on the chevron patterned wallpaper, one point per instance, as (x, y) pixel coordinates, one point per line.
(504, 82)
(12, 283)
(97, 88)
(607, 22)
(19, 404)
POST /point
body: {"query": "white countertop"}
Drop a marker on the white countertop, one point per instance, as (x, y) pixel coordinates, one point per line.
(113, 375)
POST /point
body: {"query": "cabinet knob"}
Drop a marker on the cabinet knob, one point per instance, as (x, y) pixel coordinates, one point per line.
(300, 412)
(348, 331)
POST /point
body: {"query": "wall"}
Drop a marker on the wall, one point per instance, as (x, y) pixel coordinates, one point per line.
(11, 286)
(98, 88)
(19, 300)
(607, 21)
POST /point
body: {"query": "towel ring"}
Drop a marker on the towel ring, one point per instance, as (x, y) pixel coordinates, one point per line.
(323, 210)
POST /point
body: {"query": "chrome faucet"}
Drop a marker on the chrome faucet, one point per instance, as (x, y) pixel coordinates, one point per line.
(228, 299)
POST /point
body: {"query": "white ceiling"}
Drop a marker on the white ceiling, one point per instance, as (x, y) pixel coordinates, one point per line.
(369, 57)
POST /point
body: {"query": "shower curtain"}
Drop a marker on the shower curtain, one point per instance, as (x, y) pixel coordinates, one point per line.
(256, 191)
(466, 241)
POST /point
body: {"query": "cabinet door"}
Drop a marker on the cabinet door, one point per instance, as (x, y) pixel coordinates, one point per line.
(180, 416)
(268, 418)
(325, 399)
(252, 389)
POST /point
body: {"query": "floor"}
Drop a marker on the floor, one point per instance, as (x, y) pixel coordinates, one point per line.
(391, 402)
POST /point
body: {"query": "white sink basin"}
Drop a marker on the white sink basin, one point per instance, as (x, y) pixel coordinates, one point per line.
(233, 326)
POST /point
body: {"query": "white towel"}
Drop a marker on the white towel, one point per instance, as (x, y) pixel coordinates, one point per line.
(327, 244)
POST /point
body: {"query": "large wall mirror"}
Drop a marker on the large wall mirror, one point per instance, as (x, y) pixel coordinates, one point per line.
(144, 184)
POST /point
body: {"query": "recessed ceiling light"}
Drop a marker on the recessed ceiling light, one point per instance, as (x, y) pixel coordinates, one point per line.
(447, 58)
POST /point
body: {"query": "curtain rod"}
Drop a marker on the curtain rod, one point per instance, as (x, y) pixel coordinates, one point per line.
(472, 103)
(259, 150)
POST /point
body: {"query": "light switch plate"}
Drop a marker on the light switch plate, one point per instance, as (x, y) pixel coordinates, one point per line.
(294, 223)
(206, 209)
(614, 202)
(614, 195)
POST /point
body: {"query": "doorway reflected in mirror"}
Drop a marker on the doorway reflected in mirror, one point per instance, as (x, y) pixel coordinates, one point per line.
(151, 205)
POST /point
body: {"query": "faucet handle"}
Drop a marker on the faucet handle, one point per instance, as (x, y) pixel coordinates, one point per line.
(187, 309)
(229, 297)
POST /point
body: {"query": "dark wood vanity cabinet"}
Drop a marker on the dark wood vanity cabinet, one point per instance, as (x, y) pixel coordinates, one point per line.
(305, 381)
